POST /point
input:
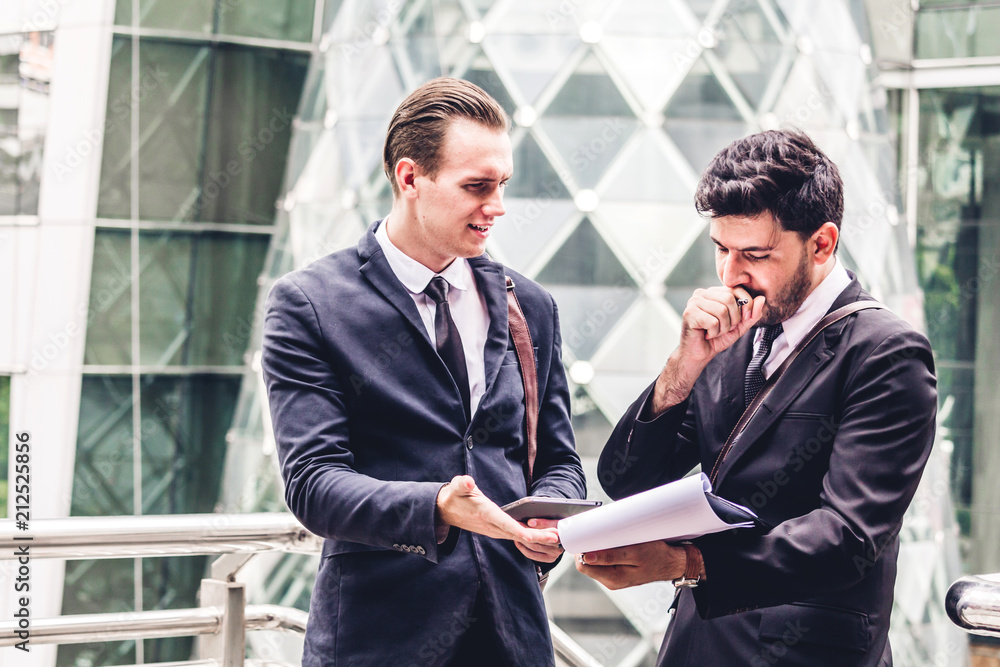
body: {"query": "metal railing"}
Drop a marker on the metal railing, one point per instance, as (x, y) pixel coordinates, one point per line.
(223, 618)
(973, 604)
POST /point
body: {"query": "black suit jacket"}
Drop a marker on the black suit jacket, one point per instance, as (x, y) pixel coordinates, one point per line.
(831, 461)
(369, 424)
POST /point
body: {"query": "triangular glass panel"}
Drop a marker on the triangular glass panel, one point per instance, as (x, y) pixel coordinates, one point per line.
(645, 172)
(589, 91)
(418, 59)
(700, 141)
(376, 202)
(805, 101)
(313, 105)
(587, 314)
(480, 72)
(750, 50)
(616, 390)
(585, 259)
(653, 236)
(533, 175)
(650, 66)
(358, 87)
(360, 142)
(641, 342)
(421, 19)
(589, 144)
(701, 96)
(477, 8)
(529, 62)
(701, 8)
(548, 17)
(654, 18)
(845, 77)
(828, 25)
(527, 229)
(591, 427)
(696, 270)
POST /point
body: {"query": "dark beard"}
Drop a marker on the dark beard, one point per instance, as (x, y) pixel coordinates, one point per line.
(784, 304)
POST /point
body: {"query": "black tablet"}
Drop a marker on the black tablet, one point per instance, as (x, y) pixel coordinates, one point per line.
(538, 507)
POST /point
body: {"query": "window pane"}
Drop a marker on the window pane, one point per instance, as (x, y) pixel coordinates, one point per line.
(96, 587)
(102, 473)
(255, 96)
(275, 19)
(171, 127)
(197, 295)
(185, 420)
(958, 33)
(109, 318)
(187, 15)
(25, 76)
(230, 170)
(114, 197)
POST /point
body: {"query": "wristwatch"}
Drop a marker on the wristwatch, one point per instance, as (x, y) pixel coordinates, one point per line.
(691, 570)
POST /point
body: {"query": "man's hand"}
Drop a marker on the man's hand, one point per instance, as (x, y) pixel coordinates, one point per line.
(543, 553)
(712, 321)
(460, 503)
(634, 565)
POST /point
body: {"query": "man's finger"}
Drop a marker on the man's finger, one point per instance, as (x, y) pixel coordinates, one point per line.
(606, 557)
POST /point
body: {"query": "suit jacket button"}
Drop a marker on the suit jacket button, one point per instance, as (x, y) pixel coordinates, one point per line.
(468, 442)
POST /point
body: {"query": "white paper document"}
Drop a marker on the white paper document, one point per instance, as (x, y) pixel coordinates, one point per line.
(676, 511)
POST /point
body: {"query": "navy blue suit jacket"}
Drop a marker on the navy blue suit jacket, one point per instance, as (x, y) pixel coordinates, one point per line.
(831, 461)
(369, 424)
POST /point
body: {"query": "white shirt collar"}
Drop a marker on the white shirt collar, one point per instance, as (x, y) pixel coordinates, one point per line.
(816, 305)
(414, 275)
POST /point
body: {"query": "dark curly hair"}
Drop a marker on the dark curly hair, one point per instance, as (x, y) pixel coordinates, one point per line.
(781, 172)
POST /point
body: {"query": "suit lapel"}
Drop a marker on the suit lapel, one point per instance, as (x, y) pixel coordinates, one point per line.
(492, 285)
(377, 271)
(790, 386)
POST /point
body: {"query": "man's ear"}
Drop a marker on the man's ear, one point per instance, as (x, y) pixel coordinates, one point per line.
(824, 242)
(406, 174)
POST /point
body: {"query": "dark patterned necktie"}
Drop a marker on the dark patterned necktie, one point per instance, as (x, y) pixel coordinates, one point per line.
(755, 371)
(449, 343)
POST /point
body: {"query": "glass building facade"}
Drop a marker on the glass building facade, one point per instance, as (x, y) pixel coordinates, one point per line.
(162, 162)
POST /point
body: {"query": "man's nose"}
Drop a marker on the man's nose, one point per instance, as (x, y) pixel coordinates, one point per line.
(732, 271)
(494, 205)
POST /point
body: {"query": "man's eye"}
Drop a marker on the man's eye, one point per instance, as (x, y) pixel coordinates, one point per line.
(721, 250)
(757, 258)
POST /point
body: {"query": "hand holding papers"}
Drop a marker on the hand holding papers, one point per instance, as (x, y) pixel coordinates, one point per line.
(676, 511)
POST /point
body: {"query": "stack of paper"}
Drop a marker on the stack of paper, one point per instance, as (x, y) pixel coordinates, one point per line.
(676, 511)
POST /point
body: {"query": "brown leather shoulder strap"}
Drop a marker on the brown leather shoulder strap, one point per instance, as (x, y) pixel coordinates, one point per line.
(762, 395)
(529, 375)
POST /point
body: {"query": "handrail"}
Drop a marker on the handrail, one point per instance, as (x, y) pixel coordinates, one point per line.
(177, 535)
(973, 604)
(86, 628)
(273, 617)
(151, 535)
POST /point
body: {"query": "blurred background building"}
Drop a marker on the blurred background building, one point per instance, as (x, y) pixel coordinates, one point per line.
(163, 162)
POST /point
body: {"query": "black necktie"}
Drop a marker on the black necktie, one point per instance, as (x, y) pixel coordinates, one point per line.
(449, 343)
(755, 371)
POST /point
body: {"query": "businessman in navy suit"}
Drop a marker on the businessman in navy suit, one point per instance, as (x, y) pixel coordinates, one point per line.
(830, 461)
(398, 411)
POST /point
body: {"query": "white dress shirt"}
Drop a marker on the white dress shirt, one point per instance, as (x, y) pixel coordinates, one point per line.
(812, 310)
(468, 308)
